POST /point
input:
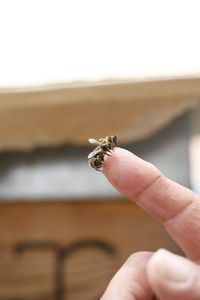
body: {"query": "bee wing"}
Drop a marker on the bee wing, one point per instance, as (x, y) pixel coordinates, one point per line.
(94, 152)
(93, 141)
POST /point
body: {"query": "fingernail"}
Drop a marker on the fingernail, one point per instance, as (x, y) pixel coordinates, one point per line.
(172, 267)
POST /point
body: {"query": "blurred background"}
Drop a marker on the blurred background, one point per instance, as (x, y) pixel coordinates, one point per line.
(69, 71)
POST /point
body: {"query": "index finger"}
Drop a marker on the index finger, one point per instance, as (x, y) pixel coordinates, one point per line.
(175, 206)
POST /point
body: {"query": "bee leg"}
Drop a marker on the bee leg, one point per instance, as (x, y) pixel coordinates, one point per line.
(99, 170)
(107, 154)
(110, 151)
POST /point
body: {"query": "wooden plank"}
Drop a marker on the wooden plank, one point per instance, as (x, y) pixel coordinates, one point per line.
(53, 115)
(35, 241)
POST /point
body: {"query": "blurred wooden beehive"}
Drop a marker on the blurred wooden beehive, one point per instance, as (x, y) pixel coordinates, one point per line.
(69, 248)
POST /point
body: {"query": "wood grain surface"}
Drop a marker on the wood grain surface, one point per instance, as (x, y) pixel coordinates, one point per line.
(70, 250)
(55, 115)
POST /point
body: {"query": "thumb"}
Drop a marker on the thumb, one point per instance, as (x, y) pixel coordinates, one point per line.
(173, 277)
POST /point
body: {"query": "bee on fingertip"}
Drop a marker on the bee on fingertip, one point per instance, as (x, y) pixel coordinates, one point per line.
(104, 147)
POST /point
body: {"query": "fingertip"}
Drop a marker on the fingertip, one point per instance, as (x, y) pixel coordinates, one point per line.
(166, 266)
(130, 281)
(128, 173)
(171, 276)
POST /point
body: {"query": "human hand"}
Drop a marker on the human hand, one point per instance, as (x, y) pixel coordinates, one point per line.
(160, 275)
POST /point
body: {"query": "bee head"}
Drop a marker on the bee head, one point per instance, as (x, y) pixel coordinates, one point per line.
(104, 147)
(115, 139)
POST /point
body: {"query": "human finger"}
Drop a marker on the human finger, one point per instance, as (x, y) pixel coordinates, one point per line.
(130, 282)
(173, 277)
(175, 206)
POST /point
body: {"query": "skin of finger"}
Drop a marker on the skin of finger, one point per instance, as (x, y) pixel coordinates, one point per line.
(130, 282)
(175, 206)
(166, 289)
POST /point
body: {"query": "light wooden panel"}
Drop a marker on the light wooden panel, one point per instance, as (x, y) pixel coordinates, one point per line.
(53, 115)
(35, 238)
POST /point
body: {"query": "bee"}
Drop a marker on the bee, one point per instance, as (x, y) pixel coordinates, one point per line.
(112, 140)
(96, 162)
(104, 145)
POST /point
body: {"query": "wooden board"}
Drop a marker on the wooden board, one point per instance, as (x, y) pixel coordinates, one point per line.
(55, 115)
(70, 250)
